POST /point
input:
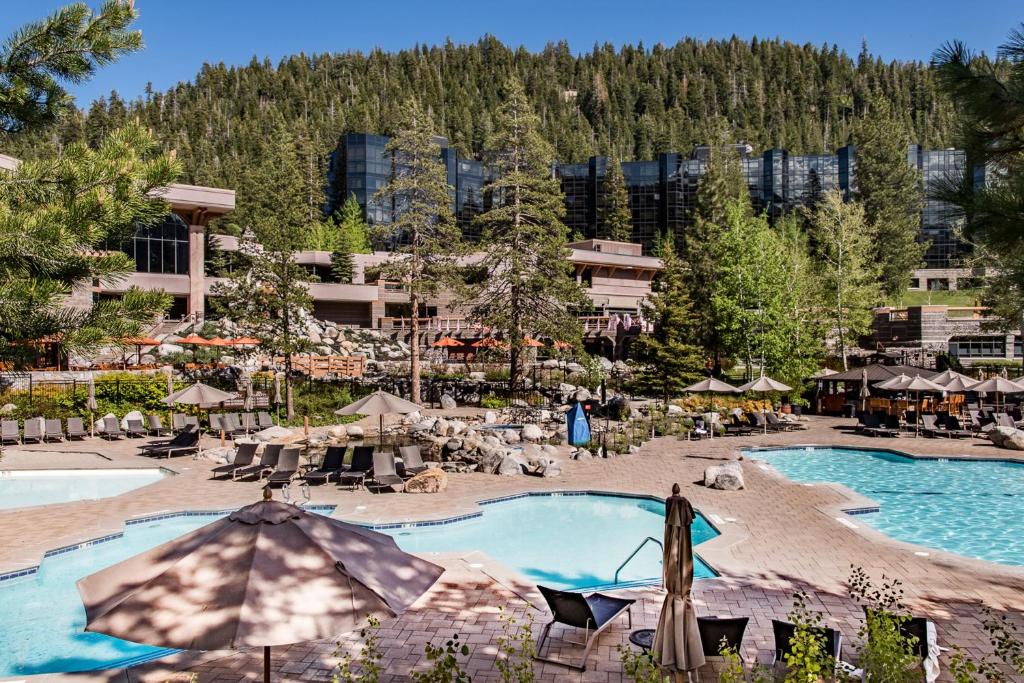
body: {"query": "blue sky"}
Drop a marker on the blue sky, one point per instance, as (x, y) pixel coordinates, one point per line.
(182, 34)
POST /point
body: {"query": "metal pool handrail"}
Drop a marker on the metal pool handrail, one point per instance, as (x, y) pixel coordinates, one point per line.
(635, 551)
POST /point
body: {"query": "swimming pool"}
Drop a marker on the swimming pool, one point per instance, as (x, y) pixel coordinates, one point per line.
(25, 488)
(973, 508)
(562, 540)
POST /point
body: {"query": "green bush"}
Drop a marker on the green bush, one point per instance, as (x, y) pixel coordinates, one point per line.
(492, 402)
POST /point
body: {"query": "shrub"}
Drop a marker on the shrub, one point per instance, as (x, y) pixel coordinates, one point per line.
(517, 649)
(444, 663)
(1008, 654)
(367, 665)
(807, 661)
(885, 654)
(640, 666)
(492, 402)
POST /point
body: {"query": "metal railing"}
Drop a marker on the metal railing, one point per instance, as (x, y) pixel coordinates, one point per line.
(644, 542)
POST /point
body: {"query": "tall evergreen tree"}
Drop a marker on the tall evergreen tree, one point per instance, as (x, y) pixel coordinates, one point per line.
(422, 228)
(991, 104)
(614, 220)
(352, 238)
(847, 272)
(890, 190)
(669, 358)
(530, 290)
(59, 214)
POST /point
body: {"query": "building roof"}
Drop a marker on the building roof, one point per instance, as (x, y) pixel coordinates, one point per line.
(878, 373)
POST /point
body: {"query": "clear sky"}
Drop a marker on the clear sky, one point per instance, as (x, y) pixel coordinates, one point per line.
(181, 35)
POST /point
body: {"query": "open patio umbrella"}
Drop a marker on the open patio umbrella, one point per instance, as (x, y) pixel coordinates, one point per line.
(1000, 385)
(195, 341)
(489, 343)
(823, 373)
(763, 385)
(711, 386)
(379, 403)
(947, 376)
(138, 343)
(677, 646)
(244, 341)
(446, 342)
(917, 384)
(531, 342)
(266, 575)
(199, 394)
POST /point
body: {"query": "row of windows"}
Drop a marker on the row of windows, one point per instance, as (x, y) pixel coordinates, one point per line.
(984, 347)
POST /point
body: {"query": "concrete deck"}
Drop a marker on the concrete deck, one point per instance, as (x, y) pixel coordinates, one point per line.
(777, 537)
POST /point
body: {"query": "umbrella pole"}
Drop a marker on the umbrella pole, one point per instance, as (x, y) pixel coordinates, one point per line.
(266, 664)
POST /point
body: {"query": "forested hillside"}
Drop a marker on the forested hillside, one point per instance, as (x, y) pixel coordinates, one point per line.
(632, 102)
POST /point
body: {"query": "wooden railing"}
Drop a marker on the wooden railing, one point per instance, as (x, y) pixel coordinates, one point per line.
(456, 324)
(319, 366)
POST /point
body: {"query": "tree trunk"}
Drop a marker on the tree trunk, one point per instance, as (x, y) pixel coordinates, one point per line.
(414, 347)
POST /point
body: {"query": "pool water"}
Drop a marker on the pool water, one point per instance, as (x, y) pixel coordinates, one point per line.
(973, 508)
(25, 488)
(561, 541)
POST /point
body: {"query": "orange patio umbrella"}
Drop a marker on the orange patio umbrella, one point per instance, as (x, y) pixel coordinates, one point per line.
(444, 342)
(489, 342)
(194, 339)
(529, 341)
(138, 343)
(218, 341)
(244, 341)
(562, 345)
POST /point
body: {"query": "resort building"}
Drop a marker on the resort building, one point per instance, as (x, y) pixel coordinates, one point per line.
(918, 333)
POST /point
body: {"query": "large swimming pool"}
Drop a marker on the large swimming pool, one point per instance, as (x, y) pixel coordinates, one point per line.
(567, 541)
(24, 488)
(973, 508)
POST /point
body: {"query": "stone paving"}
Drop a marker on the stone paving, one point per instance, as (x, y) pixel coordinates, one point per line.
(777, 537)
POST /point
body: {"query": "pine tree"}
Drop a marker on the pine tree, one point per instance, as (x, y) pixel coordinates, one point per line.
(669, 358)
(58, 214)
(615, 220)
(351, 238)
(423, 227)
(530, 291)
(890, 190)
(847, 272)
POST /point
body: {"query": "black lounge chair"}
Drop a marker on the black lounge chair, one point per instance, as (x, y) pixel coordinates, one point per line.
(267, 463)
(359, 469)
(782, 425)
(287, 467)
(245, 453)
(76, 430)
(916, 628)
(193, 421)
(32, 434)
(831, 640)
(956, 430)
(384, 473)
(136, 429)
(593, 613)
(714, 630)
(331, 466)
(873, 427)
(9, 432)
(111, 428)
(156, 427)
(760, 423)
(412, 460)
(52, 431)
(930, 428)
(231, 424)
(737, 427)
(182, 444)
(248, 422)
(263, 420)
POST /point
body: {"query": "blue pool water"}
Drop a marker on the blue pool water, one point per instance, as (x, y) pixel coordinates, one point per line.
(972, 508)
(562, 541)
(24, 488)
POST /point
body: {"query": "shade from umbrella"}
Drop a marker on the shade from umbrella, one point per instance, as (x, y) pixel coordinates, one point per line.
(677, 644)
(379, 403)
(446, 342)
(711, 385)
(198, 394)
(269, 574)
(764, 384)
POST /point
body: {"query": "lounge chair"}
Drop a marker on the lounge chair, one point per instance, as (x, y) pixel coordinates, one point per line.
(873, 427)
(53, 431)
(177, 422)
(287, 466)
(412, 460)
(9, 432)
(760, 423)
(593, 613)
(193, 421)
(267, 463)
(359, 469)
(384, 473)
(930, 428)
(831, 640)
(975, 420)
(245, 453)
(331, 466)
(33, 432)
(782, 425)
(136, 429)
(156, 427)
(184, 443)
(263, 420)
(232, 423)
(737, 427)
(111, 428)
(249, 422)
(913, 627)
(714, 630)
(76, 430)
(1002, 420)
(955, 429)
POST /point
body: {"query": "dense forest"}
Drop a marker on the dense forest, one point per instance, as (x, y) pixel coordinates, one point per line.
(631, 102)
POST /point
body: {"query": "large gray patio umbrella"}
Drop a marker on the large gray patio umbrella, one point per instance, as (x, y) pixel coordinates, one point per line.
(199, 394)
(266, 575)
(677, 644)
(1000, 385)
(379, 403)
(764, 385)
(711, 385)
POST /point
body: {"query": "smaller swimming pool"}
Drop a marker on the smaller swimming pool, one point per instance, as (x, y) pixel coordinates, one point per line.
(26, 488)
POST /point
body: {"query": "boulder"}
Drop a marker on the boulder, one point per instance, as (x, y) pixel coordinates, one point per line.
(491, 441)
(433, 480)
(582, 454)
(673, 409)
(510, 466)
(550, 468)
(490, 417)
(447, 402)
(8, 408)
(1015, 441)
(575, 368)
(491, 459)
(132, 415)
(458, 427)
(271, 433)
(633, 450)
(550, 363)
(331, 332)
(605, 363)
(998, 435)
(453, 445)
(532, 432)
(510, 436)
(354, 431)
(440, 427)
(221, 455)
(412, 418)
(147, 359)
(550, 449)
(168, 349)
(727, 477)
(314, 337)
(478, 376)
(581, 395)
(564, 388)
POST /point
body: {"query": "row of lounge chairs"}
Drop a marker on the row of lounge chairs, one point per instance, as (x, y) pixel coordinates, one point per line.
(278, 464)
(939, 425)
(38, 431)
(595, 612)
(754, 423)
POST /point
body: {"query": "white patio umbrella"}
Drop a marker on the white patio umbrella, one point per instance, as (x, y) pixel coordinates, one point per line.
(379, 403)
(947, 376)
(917, 384)
(90, 404)
(1000, 385)
(763, 385)
(711, 386)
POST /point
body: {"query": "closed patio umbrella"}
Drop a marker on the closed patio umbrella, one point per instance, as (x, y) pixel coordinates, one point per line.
(677, 646)
(865, 390)
(266, 575)
(379, 403)
(90, 404)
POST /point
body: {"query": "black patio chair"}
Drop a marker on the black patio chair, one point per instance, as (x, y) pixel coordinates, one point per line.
(245, 453)
(267, 463)
(384, 473)
(412, 460)
(831, 640)
(332, 465)
(593, 613)
(359, 469)
(713, 631)
(156, 427)
(287, 467)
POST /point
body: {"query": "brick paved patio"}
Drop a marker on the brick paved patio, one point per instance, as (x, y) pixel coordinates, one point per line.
(784, 537)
